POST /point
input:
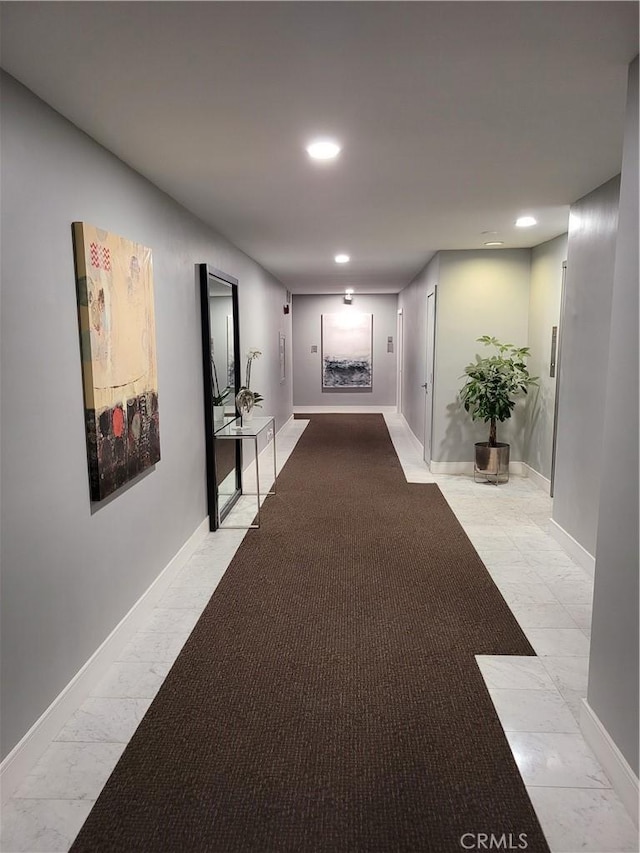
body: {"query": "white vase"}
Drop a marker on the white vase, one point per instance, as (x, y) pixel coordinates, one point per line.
(245, 402)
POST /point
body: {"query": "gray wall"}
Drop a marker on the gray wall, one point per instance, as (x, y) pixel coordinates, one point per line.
(479, 293)
(544, 313)
(583, 372)
(413, 301)
(261, 299)
(613, 664)
(69, 576)
(307, 366)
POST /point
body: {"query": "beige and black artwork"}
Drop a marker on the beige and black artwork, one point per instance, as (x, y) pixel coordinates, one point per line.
(114, 278)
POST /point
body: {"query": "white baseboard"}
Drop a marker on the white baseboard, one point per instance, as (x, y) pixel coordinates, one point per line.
(288, 421)
(451, 467)
(30, 748)
(614, 764)
(515, 468)
(536, 477)
(413, 438)
(573, 548)
(518, 469)
(344, 410)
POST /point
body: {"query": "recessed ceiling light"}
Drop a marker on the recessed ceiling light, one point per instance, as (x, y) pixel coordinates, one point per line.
(526, 221)
(342, 259)
(494, 243)
(323, 149)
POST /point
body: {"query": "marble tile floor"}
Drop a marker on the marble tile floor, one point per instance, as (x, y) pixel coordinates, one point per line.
(48, 809)
(537, 698)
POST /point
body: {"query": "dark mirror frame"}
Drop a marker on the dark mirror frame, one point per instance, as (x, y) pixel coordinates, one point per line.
(209, 274)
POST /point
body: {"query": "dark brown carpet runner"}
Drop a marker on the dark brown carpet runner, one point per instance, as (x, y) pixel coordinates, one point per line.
(328, 698)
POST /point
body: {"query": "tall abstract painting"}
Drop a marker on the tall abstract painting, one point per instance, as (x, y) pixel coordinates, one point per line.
(114, 280)
(347, 350)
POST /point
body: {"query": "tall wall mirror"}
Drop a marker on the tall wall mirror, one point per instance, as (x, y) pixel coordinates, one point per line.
(221, 377)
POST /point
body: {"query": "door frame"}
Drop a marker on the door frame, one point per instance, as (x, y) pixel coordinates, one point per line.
(563, 291)
(430, 381)
(399, 359)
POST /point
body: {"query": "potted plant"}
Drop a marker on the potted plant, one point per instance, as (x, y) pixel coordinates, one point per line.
(246, 399)
(488, 395)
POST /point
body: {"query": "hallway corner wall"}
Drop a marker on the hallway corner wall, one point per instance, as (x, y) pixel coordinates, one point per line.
(413, 301)
(484, 292)
(614, 661)
(70, 571)
(591, 248)
(307, 310)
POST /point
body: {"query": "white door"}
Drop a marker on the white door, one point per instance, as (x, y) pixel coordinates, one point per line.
(428, 383)
(399, 361)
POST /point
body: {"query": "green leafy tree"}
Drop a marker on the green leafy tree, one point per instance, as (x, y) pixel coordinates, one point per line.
(494, 381)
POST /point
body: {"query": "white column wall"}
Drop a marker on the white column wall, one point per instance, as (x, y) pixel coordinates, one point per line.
(591, 247)
(613, 662)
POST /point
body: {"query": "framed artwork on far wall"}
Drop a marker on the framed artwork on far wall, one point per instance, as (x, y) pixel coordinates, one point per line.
(114, 282)
(282, 350)
(347, 347)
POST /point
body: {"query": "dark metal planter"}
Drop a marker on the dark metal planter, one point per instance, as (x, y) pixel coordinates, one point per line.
(492, 462)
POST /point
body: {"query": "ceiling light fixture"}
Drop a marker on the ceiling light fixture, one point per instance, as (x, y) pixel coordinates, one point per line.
(342, 259)
(494, 243)
(526, 221)
(323, 149)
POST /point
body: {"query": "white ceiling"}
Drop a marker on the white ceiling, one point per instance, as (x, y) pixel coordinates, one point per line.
(455, 117)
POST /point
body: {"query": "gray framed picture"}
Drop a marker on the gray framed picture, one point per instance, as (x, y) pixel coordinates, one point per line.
(347, 348)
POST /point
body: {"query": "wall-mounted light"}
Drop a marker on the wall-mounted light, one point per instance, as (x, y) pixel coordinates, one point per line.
(348, 296)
